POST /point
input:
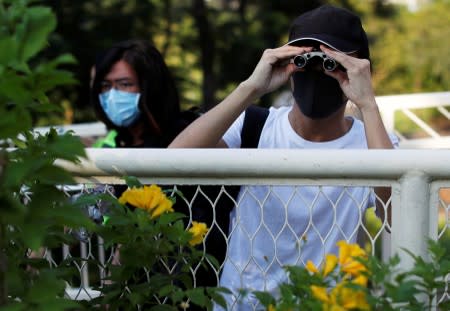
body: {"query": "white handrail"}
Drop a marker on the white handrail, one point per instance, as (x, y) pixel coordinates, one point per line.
(260, 165)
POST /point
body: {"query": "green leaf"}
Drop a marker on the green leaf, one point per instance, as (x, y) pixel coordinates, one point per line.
(9, 127)
(58, 304)
(19, 143)
(8, 50)
(34, 235)
(47, 80)
(404, 292)
(67, 147)
(12, 209)
(177, 294)
(165, 290)
(168, 218)
(132, 181)
(46, 286)
(63, 59)
(53, 175)
(217, 297)
(437, 250)
(265, 298)
(14, 174)
(39, 22)
(213, 261)
(197, 296)
(13, 306)
(163, 308)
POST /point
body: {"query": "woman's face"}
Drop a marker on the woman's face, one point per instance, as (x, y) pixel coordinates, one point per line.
(121, 77)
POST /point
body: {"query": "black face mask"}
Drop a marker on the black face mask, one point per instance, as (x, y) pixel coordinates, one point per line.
(317, 95)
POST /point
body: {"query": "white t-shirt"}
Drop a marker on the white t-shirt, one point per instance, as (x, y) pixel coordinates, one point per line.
(275, 226)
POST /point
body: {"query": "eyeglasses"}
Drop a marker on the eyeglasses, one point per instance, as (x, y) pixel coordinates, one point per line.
(125, 85)
(328, 63)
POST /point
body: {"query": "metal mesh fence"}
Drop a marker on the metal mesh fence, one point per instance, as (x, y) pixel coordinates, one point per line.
(292, 223)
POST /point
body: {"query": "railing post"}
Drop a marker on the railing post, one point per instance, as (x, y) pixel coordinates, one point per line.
(101, 259)
(410, 217)
(84, 273)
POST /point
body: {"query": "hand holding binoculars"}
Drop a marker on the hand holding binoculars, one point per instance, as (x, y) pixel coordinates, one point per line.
(328, 63)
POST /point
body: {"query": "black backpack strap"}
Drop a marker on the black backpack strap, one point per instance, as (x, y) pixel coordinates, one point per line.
(254, 120)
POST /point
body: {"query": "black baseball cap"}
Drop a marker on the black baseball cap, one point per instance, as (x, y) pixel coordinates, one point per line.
(335, 27)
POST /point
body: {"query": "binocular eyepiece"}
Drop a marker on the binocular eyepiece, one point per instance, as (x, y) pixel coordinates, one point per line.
(328, 63)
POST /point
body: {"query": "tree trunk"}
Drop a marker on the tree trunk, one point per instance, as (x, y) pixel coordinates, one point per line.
(207, 53)
(168, 29)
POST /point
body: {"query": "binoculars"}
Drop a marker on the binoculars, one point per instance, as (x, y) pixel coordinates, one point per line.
(328, 63)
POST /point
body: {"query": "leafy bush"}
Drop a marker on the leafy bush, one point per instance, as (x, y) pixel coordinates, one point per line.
(355, 281)
(34, 212)
(156, 252)
(156, 255)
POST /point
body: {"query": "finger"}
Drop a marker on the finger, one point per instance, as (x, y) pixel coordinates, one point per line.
(342, 58)
(295, 48)
(339, 75)
(287, 51)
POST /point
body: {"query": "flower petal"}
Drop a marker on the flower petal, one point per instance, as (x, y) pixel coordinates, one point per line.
(330, 263)
(320, 293)
(311, 267)
(198, 231)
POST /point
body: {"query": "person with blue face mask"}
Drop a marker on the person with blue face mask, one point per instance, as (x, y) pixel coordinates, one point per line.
(120, 107)
(135, 95)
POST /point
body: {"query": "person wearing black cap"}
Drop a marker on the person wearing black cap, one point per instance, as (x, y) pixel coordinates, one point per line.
(327, 63)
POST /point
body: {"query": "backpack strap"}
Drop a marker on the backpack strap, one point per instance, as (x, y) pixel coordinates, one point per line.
(254, 120)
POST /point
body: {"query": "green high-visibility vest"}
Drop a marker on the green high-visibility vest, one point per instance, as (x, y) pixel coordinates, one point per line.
(109, 141)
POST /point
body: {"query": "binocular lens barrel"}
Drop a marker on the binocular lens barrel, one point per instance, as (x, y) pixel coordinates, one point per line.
(328, 64)
(300, 61)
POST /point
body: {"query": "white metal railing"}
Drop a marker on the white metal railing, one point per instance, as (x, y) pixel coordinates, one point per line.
(391, 107)
(410, 105)
(419, 179)
(416, 178)
(94, 129)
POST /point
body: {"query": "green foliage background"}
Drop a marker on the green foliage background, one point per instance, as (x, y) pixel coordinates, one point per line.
(211, 46)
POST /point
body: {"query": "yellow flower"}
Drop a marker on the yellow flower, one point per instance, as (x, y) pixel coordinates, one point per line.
(340, 298)
(330, 263)
(320, 293)
(348, 298)
(150, 198)
(198, 231)
(328, 266)
(360, 280)
(270, 308)
(311, 267)
(347, 255)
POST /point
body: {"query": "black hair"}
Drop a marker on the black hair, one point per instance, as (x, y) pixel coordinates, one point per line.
(159, 101)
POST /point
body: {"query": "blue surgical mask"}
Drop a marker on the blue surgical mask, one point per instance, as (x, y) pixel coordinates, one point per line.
(120, 107)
